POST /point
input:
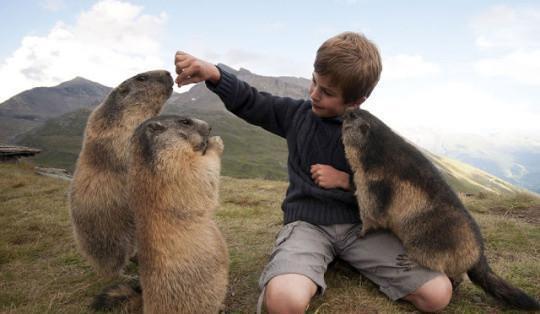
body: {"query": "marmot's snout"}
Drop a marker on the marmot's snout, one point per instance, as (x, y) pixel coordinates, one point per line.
(161, 77)
(351, 114)
(203, 129)
(350, 118)
(355, 128)
(167, 79)
(163, 131)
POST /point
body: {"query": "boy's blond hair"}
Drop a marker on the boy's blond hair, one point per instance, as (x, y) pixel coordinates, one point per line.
(352, 62)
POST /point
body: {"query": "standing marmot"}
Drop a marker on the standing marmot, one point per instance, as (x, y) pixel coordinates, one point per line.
(400, 190)
(174, 186)
(102, 223)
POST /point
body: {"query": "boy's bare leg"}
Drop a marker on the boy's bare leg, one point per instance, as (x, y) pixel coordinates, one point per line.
(289, 293)
(433, 296)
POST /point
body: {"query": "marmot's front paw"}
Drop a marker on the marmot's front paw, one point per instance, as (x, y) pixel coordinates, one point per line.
(362, 233)
(216, 143)
(365, 231)
(404, 261)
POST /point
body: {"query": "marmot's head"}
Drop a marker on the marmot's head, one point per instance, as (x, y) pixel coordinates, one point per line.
(357, 128)
(141, 96)
(162, 138)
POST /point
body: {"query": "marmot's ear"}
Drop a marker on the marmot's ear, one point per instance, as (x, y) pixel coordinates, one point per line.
(364, 128)
(156, 126)
(122, 90)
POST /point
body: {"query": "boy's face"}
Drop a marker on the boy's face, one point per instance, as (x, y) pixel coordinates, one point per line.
(327, 100)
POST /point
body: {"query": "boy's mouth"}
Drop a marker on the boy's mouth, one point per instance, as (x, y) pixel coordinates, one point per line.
(317, 107)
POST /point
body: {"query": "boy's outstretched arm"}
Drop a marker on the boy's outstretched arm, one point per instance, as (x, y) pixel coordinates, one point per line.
(274, 114)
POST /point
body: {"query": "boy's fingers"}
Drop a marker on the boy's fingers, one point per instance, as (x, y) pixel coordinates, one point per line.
(191, 80)
(185, 78)
(185, 73)
(180, 66)
(180, 55)
(316, 175)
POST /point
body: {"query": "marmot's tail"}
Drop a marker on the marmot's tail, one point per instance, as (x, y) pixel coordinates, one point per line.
(482, 275)
(127, 296)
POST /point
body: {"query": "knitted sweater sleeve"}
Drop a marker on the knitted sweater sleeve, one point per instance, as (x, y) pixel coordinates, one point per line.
(273, 113)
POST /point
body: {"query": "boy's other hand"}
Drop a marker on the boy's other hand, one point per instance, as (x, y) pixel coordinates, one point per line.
(329, 177)
(192, 70)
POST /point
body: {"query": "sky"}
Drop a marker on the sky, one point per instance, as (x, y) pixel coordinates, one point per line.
(453, 66)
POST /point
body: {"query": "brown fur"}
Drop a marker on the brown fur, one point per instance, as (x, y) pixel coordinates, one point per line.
(102, 222)
(399, 189)
(174, 185)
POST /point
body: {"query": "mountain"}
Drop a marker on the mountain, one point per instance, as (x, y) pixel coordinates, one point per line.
(199, 99)
(250, 152)
(468, 179)
(33, 107)
(511, 156)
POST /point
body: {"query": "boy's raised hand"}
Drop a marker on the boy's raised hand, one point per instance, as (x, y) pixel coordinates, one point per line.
(329, 177)
(192, 70)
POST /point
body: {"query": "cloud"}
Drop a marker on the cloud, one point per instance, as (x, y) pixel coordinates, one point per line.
(408, 66)
(511, 36)
(109, 42)
(451, 106)
(506, 27)
(521, 66)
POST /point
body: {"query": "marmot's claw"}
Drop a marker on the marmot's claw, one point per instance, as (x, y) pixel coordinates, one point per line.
(215, 142)
(403, 260)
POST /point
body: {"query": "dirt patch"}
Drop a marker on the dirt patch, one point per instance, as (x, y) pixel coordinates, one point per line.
(528, 214)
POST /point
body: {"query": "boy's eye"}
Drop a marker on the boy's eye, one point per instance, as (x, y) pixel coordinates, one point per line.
(326, 92)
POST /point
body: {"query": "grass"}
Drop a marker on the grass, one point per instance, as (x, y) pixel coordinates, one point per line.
(42, 272)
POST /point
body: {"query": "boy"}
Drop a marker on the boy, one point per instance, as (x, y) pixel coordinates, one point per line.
(321, 218)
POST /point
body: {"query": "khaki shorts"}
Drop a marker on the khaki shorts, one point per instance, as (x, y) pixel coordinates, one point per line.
(307, 249)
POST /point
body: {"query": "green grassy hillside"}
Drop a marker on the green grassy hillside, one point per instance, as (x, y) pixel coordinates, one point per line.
(250, 152)
(59, 138)
(42, 272)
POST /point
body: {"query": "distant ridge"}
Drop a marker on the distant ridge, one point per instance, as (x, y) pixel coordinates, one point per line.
(250, 152)
(33, 107)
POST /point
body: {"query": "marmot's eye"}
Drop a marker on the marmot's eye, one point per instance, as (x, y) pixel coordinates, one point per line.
(185, 121)
(141, 77)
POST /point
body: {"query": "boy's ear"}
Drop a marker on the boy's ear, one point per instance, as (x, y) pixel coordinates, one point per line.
(357, 102)
(360, 100)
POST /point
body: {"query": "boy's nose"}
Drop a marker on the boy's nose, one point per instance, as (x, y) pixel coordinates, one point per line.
(314, 95)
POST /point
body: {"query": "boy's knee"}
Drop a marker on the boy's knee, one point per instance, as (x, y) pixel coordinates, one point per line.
(433, 296)
(285, 296)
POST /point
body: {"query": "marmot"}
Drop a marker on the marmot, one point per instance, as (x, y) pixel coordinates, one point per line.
(102, 222)
(173, 181)
(399, 189)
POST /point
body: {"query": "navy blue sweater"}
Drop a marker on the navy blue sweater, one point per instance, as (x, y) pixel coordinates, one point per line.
(310, 140)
